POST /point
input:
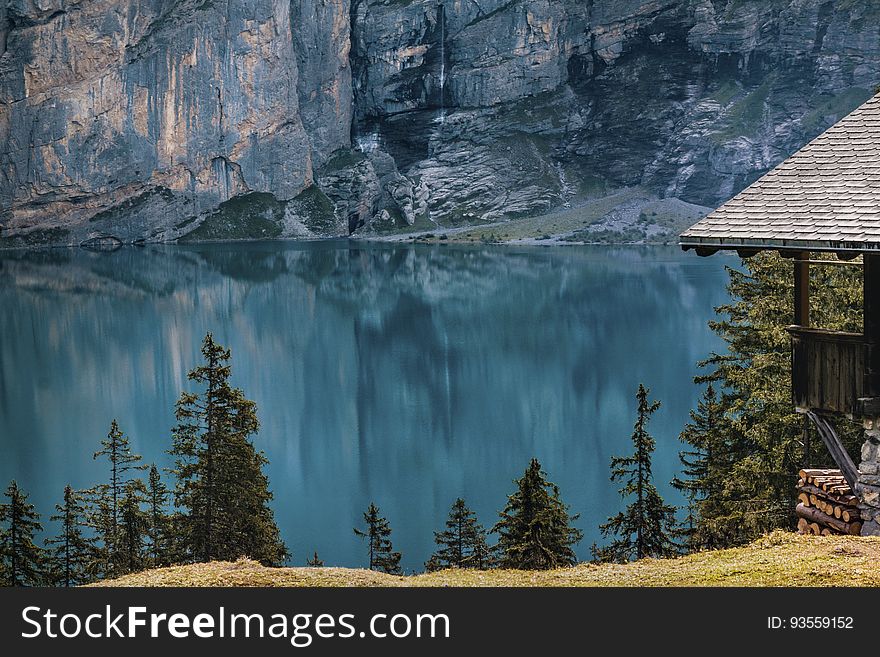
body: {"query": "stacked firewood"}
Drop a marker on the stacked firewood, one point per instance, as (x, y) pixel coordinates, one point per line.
(826, 504)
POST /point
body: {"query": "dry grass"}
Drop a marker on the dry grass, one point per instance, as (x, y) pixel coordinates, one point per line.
(778, 559)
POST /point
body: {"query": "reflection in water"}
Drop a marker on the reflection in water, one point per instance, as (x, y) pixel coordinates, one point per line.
(402, 375)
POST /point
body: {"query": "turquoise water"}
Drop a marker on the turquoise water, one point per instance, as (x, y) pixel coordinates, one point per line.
(404, 375)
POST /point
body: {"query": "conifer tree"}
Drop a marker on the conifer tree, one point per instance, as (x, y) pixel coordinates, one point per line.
(315, 561)
(534, 530)
(221, 488)
(105, 499)
(483, 556)
(646, 527)
(134, 525)
(378, 535)
(23, 561)
(117, 450)
(71, 554)
(159, 531)
(759, 434)
(462, 544)
(100, 522)
(705, 467)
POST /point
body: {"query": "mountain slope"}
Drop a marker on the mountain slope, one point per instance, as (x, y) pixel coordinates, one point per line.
(144, 119)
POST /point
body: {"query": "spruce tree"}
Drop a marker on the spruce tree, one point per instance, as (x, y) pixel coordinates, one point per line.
(159, 535)
(117, 450)
(646, 527)
(378, 535)
(758, 432)
(221, 489)
(105, 499)
(315, 561)
(705, 467)
(534, 530)
(134, 525)
(462, 544)
(483, 556)
(71, 554)
(23, 560)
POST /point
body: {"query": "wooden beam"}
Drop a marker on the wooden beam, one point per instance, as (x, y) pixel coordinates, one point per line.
(835, 448)
(872, 324)
(832, 263)
(806, 439)
(802, 289)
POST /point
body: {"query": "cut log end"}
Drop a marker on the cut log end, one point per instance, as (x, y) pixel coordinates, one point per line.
(821, 519)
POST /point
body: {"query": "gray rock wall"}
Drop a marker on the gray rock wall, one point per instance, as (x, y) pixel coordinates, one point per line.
(869, 482)
(132, 117)
(140, 118)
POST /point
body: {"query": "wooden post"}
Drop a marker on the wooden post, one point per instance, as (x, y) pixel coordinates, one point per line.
(872, 324)
(802, 289)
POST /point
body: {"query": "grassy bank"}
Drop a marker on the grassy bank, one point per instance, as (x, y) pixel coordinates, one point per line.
(779, 559)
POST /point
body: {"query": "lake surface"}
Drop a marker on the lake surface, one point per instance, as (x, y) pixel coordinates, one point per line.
(405, 375)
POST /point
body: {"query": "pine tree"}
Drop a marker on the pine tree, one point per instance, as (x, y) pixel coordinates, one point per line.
(462, 544)
(534, 530)
(378, 535)
(221, 488)
(105, 500)
(646, 528)
(315, 561)
(23, 561)
(159, 531)
(704, 470)
(71, 552)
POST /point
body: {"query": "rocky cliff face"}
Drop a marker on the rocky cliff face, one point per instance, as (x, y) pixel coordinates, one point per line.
(200, 119)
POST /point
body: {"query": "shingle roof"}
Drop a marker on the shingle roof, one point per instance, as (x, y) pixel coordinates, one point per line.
(825, 197)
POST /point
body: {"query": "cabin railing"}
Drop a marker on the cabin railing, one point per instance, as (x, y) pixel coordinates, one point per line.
(828, 370)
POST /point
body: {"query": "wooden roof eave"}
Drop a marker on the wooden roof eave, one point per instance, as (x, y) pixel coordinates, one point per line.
(706, 246)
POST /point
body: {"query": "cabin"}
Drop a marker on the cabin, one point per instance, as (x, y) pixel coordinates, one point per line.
(823, 199)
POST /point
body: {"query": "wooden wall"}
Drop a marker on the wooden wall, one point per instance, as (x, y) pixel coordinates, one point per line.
(828, 369)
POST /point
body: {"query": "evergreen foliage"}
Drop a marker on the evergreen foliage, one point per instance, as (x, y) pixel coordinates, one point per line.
(378, 535)
(757, 445)
(117, 450)
(463, 543)
(646, 527)
(105, 500)
(315, 561)
(159, 534)
(23, 562)
(705, 464)
(534, 529)
(221, 488)
(71, 553)
(134, 525)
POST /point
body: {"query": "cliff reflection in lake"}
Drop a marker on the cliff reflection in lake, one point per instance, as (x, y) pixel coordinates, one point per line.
(402, 375)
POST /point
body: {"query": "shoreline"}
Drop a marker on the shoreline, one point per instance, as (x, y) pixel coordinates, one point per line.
(626, 216)
(408, 239)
